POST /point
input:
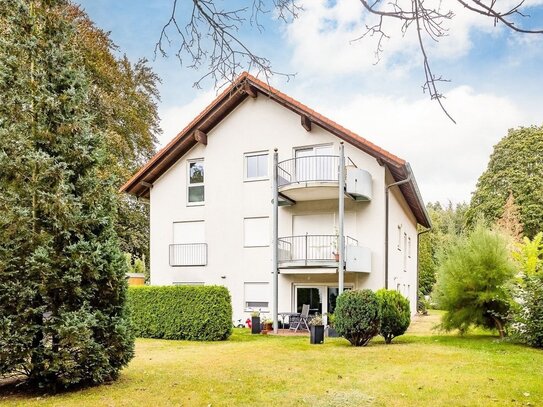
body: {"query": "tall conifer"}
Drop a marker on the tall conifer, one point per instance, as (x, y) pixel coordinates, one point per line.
(63, 320)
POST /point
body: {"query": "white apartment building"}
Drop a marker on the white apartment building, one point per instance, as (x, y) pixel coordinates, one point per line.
(211, 193)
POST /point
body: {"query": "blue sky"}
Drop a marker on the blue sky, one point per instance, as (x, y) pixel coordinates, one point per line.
(497, 81)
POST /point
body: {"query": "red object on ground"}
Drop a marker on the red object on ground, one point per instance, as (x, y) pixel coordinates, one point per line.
(248, 322)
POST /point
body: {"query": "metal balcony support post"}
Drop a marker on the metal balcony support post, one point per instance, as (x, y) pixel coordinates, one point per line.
(275, 242)
(341, 237)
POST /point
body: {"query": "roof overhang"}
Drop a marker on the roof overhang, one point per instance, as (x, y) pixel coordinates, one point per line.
(248, 86)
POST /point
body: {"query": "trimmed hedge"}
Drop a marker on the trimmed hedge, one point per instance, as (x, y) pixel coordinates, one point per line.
(201, 313)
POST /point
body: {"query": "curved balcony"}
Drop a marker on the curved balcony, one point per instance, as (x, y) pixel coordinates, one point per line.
(316, 177)
(309, 178)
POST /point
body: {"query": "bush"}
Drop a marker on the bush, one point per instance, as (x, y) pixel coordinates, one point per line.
(395, 314)
(202, 313)
(528, 319)
(357, 316)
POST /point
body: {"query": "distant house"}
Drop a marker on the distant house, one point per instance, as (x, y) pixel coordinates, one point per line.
(212, 218)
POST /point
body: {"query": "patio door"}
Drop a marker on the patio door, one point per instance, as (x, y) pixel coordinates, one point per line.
(312, 166)
(310, 295)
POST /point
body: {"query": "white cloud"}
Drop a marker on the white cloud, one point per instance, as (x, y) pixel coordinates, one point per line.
(175, 118)
(447, 159)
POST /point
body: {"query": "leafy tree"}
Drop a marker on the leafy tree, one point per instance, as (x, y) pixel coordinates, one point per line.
(63, 319)
(124, 98)
(528, 315)
(509, 222)
(472, 283)
(515, 167)
(529, 255)
(447, 223)
(357, 316)
(395, 314)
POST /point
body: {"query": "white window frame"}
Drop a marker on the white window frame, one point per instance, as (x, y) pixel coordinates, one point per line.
(409, 247)
(198, 184)
(246, 157)
(400, 237)
(267, 244)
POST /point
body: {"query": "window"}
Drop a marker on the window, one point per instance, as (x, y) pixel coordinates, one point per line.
(189, 247)
(405, 252)
(256, 232)
(398, 287)
(409, 247)
(189, 232)
(315, 164)
(256, 296)
(400, 237)
(196, 182)
(256, 166)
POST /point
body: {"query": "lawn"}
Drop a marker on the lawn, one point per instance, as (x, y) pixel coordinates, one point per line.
(419, 369)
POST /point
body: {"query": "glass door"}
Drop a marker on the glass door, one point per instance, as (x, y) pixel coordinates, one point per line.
(315, 163)
(312, 296)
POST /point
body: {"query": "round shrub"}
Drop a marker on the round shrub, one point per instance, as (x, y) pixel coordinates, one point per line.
(357, 316)
(395, 314)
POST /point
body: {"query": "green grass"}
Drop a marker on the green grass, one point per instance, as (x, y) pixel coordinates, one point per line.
(418, 369)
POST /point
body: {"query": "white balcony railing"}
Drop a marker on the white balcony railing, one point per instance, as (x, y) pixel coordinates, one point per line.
(309, 249)
(316, 168)
(188, 254)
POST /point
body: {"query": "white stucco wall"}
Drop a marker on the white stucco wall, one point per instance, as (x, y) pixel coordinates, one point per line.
(262, 125)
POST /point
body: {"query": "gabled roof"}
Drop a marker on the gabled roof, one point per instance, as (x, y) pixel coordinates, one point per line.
(246, 86)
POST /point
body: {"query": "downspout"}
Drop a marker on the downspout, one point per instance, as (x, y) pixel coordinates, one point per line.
(404, 181)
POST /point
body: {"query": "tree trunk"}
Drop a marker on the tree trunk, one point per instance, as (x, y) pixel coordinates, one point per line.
(499, 326)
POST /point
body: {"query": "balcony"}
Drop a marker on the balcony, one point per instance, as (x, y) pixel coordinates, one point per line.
(316, 177)
(188, 254)
(319, 251)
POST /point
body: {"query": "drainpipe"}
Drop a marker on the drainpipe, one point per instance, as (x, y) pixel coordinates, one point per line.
(341, 237)
(275, 233)
(404, 181)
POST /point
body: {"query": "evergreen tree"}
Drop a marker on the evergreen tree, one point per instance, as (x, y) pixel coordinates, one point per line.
(63, 319)
(123, 97)
(447, 224)
(473, 282)
(515, 166)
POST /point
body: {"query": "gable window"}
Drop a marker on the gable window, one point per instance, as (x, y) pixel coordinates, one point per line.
(409, 247)
(195, 191)
(256, 166)
(399, 237)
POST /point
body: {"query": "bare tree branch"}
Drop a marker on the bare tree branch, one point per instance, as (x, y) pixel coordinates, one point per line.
(210, 36)
(430, 22)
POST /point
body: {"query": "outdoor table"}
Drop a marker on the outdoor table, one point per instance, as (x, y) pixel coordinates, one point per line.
(286, 314)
